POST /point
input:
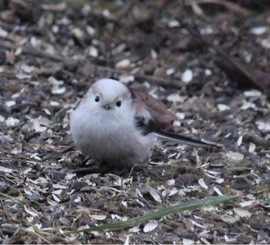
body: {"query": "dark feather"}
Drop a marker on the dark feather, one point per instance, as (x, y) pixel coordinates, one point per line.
(184, 139)
(145, 126)
(157, 109)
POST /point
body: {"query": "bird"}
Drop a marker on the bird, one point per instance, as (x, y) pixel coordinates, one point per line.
(117, 124)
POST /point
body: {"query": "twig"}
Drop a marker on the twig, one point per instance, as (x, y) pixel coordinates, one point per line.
(229, 5)
(164, 82)
(125, 10)
(242, 74)
(15, 158)
(31, 51)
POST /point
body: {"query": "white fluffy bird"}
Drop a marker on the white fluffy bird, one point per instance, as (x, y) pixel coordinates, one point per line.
(117, 124)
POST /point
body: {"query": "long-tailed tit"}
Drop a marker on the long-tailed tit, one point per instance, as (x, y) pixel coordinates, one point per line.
(117, 124)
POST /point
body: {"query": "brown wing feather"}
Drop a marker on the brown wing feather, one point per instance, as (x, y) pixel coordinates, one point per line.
(162, 120)
(157, 109)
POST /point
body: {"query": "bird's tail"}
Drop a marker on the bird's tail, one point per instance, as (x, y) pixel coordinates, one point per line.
(184, 139)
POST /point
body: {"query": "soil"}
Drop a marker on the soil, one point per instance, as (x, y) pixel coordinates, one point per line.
(208, 61)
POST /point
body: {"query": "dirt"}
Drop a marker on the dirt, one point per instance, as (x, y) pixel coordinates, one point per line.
(208, 63)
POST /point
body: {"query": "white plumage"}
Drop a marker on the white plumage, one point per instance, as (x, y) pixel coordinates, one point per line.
(116, 124)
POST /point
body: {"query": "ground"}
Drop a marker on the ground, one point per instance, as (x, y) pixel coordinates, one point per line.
(208, 61)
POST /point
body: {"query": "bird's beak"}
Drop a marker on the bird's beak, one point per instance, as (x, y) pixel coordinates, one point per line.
(107, 107)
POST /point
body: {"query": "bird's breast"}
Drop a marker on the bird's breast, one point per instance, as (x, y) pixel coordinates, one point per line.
(108, 137)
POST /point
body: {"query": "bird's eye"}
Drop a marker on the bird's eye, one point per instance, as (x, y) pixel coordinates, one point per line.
(118, 103)
(97, 99)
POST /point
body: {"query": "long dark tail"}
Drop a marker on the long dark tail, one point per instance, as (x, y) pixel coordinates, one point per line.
(184, 139)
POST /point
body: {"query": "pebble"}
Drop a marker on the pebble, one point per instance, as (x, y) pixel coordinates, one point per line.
(187, 76)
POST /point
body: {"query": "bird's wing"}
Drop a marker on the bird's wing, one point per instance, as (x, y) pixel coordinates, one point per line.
(163, 118)
(144, 120)
(152, 116)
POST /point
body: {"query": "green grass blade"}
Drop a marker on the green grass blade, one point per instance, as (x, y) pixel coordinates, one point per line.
(159, 214)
